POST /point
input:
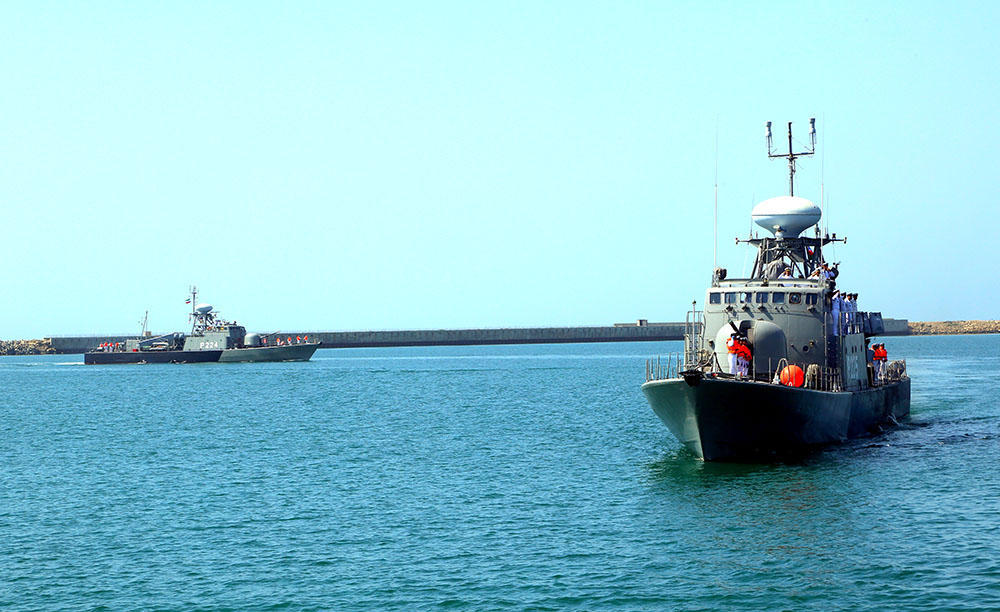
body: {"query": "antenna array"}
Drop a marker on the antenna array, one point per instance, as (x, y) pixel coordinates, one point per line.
(791, 155)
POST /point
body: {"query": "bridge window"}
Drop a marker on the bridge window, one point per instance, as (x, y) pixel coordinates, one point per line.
(730, 297)
(794, 298)
(778, 297)
(714, 298)
(811, 298)
(746, 297)
(762, 297)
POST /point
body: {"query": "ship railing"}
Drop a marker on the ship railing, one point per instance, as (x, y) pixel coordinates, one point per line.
(816, 377)
(887, 373)
(664, 369)
(768, 282)
(852, 322)
(827, 379)
(857, 322)
(694, 341)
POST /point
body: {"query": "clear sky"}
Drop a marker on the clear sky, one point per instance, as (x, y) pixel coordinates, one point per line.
(333, 166)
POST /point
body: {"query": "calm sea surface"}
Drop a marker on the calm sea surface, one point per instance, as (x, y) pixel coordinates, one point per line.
(523, 477)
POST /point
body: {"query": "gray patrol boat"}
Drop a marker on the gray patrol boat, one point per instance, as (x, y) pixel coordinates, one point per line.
(830, 392)
(209, 331)
(212, 339)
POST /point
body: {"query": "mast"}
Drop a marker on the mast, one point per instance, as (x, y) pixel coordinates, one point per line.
(800, 250)
(792, 155)
(194, 305)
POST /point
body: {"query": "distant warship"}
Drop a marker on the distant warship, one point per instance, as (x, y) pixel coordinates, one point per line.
(808, 381)
(212, 339)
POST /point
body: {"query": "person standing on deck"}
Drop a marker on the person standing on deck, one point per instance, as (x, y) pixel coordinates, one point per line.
(849, 310)
(870, 361)
(743, 356)
(731, 347)
(880, 357)
(836, 304)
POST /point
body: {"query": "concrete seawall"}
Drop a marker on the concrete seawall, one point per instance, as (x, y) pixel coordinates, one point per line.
(651, 332)
(440, 337)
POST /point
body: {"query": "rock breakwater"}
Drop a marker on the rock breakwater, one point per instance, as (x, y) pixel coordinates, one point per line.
(26, 347)
(926, 328)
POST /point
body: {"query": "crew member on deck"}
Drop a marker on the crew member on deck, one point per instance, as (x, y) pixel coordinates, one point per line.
(880, 357)
(836, 305)
(731, 347)
(743, 356)
(870, 361)
(849, 311)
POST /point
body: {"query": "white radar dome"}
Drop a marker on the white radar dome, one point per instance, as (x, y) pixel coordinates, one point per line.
(786, 216)
(203, 308)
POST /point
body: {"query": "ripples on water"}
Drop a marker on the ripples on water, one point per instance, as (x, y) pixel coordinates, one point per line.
(477, 478)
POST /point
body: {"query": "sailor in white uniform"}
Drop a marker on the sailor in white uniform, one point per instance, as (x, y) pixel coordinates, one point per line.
(852, 311)
(836, 305)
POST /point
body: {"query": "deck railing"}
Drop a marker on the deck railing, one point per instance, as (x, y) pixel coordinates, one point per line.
(665, 369)
(892, 372)
(694, 341)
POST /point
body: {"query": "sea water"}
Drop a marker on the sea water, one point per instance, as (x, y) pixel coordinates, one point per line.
(474, 478)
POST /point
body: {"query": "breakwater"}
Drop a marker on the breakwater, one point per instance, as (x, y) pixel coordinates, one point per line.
(951, 328)
(621, 332)
(441, 337)
(26, 347)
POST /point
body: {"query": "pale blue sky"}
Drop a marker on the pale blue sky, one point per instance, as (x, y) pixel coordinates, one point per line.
(439, 165)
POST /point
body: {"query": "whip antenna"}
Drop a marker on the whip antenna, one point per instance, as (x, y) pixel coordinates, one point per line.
(715, 214)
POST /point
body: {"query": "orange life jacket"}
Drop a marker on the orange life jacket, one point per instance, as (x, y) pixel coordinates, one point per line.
(731, 345)
(880, 354)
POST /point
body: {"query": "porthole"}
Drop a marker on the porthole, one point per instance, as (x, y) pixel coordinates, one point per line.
(805, 348)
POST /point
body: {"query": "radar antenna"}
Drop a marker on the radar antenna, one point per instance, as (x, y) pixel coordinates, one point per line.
(791, 155)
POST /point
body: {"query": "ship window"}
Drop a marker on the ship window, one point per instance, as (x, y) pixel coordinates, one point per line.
(714, 298)
(730, 297)
(762, 297)
(811, 299)
(778, 297)
(794, 298)
(746, 297)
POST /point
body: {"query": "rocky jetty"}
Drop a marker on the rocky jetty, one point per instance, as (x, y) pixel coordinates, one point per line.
(26, 347)
(926, 328)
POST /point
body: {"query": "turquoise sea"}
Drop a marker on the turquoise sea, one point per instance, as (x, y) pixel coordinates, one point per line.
(477, 478)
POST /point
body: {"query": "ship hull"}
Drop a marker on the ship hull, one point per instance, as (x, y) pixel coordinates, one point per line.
(121, 357)
(285, 352)
(729, 420)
